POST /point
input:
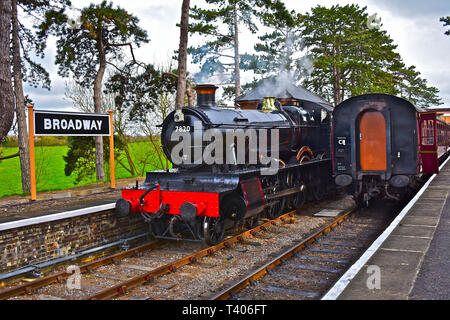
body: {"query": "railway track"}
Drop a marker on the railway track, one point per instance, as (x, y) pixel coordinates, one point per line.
(309, 268)
(116, 275)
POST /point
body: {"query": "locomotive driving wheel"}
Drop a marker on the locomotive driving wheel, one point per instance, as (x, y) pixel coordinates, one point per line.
(277, 205)
(276, 209)
(213, 230)
(297, 200)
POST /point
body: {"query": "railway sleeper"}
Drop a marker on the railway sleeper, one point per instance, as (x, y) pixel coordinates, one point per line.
(320, 259)
(282, 290)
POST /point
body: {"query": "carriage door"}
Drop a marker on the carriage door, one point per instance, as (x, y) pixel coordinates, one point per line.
(372, 141)
(428, 142)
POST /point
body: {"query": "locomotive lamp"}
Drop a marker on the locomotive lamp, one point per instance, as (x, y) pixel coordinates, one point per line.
(179, 116)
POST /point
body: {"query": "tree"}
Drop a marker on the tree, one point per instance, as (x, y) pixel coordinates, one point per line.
(219, 56)
(146, 95)
(350, 57)
(414, 88)
(82, 99)
(280, 49)
(6, 91)
(141, 98)
(182, 53)
(86, 50)
(24, 41)
(138, 88)
(446, 21)
(80, 155)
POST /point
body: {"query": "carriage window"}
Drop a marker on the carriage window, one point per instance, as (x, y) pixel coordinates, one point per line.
(427, 133)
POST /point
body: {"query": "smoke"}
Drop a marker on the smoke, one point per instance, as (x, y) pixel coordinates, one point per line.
(276, 85)
(292, 66)
(288, 67)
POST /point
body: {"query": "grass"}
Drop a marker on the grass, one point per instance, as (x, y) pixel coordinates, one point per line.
(50, 168)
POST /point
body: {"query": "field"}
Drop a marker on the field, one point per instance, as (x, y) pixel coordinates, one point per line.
(50, 168)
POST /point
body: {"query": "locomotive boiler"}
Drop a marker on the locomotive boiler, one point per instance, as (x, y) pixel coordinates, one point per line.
(245, 136)
(232, 164)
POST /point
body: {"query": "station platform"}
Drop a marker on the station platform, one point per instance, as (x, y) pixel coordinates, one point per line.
(14, 208)
(411, 259)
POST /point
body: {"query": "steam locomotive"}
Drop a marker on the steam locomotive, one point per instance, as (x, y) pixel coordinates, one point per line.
(231, 164)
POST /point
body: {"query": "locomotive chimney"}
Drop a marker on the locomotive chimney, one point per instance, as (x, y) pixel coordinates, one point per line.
(206, 95)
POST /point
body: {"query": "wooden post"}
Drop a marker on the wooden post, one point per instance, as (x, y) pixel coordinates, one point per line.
(111, 150)
(31, 147)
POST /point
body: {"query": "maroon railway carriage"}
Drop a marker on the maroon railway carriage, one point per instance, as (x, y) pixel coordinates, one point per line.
(193, 200)
(381, 144)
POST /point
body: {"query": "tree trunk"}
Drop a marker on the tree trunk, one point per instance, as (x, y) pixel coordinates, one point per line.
(6, 91)
(237, 76)
(182, 54)
(99, 166)
(190, 94)
(20, 103)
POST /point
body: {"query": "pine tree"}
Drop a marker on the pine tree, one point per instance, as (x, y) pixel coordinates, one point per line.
(182, 54)
(414, 88)
(353, 57)
(86, 50)
(25, 69)
(446, 21)
(280, 49)
(221, 24)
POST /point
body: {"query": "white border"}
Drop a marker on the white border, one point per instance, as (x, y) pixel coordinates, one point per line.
(344, 281)
(54, 217)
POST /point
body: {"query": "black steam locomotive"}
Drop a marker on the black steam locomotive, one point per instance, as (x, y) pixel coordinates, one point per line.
(234, 164)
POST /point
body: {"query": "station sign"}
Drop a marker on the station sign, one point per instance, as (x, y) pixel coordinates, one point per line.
(55, 123)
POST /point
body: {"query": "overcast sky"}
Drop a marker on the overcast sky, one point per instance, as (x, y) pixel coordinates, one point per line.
(413, 25)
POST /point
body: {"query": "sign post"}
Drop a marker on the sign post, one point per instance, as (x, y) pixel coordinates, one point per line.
(31, 147)
(111, 151)
(55, 123)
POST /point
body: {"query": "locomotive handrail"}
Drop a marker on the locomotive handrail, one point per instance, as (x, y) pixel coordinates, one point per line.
(232, 125)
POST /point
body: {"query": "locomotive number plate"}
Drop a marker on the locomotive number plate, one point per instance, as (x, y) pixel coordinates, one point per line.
(182, 128)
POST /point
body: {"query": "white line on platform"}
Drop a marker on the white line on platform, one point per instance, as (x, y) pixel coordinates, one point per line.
(343, 282)
(418, 225)
(414, 237)
(54, 217)
(401, 250)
